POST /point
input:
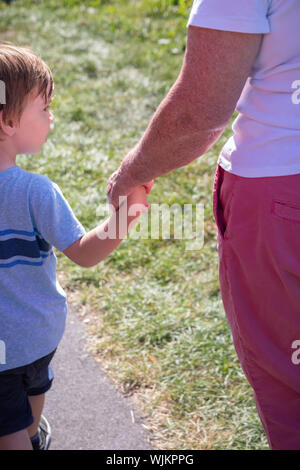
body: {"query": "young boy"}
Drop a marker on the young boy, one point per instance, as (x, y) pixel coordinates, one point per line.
(34, 217)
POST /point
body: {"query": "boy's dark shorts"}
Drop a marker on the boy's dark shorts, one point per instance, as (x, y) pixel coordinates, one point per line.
(15, 387)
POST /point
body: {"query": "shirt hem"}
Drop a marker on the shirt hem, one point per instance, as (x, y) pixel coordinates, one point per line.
(3, 367)
(238, 25)
(72, 240)
(264, 172)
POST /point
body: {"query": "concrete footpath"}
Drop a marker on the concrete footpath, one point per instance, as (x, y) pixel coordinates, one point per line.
(83, 407)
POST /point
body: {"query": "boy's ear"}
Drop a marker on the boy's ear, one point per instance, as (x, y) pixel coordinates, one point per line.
(7, 128)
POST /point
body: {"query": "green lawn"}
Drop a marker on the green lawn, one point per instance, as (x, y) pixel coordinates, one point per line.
(152, 309)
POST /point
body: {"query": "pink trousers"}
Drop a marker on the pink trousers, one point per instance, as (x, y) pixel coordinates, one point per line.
(258, 221)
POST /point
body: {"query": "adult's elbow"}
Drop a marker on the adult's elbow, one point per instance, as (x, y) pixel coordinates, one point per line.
(198, 116)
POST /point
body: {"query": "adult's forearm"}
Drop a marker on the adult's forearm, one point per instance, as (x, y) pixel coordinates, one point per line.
(177, 134)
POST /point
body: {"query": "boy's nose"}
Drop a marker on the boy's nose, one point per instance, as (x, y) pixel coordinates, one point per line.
(51, 116)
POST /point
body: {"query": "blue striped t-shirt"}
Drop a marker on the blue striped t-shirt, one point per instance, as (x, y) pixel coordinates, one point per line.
(34, 218)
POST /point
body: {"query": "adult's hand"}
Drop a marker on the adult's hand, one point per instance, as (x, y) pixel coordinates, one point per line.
(118, 185)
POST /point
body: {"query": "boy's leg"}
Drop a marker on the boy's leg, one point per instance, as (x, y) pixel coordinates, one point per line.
(16, 441)
(40, 382)
(22, 395)
(15, 412)
(37, 405)
(21, 440)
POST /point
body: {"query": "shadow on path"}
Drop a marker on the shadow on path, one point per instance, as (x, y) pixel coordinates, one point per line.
(84, 409)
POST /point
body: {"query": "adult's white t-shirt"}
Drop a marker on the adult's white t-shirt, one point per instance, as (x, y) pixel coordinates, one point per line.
(266, 139)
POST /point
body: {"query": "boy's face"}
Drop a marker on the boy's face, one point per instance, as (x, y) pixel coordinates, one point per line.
(34, 126)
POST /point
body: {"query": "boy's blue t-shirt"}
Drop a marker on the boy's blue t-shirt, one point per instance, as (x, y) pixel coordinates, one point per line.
(34, 217)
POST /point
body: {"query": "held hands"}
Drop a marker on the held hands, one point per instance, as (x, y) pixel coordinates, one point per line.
(138, 198)
(130, 209)
(117, 187)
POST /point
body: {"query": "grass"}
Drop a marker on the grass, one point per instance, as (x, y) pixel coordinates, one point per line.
(153, 309)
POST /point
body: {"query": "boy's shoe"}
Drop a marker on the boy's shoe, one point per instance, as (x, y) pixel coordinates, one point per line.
(45, 435)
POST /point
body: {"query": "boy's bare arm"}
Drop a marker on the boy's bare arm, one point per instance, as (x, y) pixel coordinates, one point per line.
(95, 246)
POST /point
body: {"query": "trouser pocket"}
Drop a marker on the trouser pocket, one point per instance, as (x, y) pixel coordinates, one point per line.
(222, 200)
(217, 206)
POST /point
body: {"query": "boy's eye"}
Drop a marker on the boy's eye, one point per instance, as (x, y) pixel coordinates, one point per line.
(46, 109)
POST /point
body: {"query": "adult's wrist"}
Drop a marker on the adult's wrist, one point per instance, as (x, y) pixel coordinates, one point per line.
(126, 176)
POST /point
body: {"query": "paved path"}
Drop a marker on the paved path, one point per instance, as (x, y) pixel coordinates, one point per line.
(83, 407)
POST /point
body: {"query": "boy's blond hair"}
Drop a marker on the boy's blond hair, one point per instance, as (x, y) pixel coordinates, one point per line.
(22, 72)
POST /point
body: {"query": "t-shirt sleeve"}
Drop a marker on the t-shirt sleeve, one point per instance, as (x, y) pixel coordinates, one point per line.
(52, 215)
(244, 16)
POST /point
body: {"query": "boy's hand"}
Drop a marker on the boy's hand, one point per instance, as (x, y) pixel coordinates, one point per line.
(138, 196)
(148, 186)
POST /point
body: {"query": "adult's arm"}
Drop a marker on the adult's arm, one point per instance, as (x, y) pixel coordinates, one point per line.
(196, 110)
